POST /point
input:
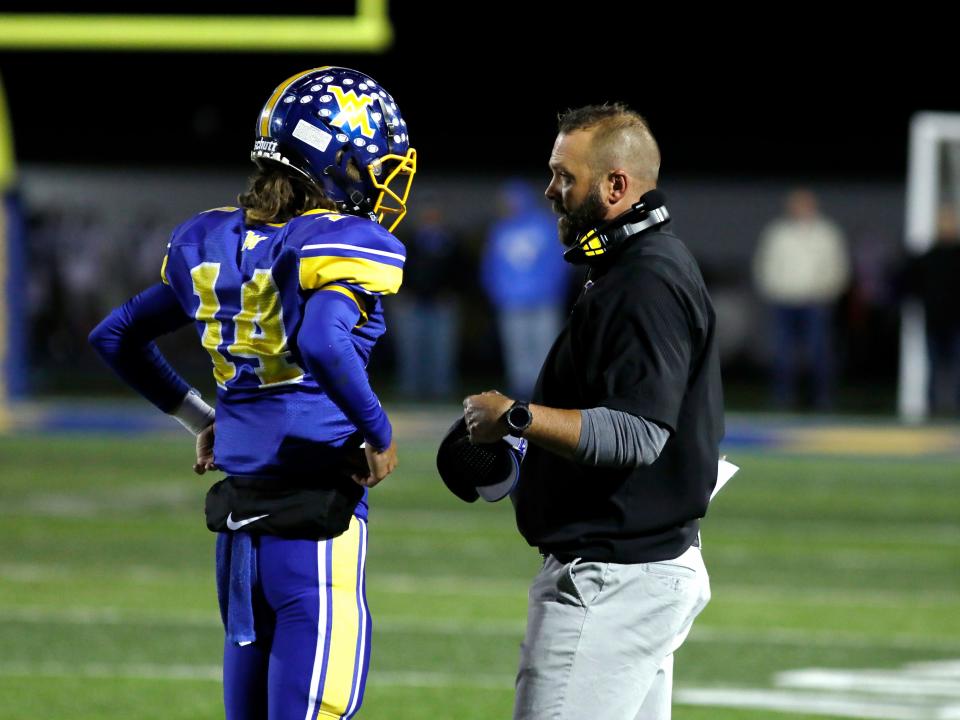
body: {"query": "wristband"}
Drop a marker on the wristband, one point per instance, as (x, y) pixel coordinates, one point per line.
(193, 413)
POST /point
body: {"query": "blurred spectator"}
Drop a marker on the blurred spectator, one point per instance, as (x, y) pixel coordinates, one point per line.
(148, 235)
(85, 244)
(68, 252)
(45, 292)
(933, 277)
(526, 279)
(801, 268)
(426, 313)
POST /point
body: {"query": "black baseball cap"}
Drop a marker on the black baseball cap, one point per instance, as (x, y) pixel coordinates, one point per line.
(474, 470)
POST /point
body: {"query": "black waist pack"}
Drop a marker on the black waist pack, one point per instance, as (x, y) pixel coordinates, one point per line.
(290, 508)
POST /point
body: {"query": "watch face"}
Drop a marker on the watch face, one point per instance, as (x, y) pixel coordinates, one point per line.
(519, 417)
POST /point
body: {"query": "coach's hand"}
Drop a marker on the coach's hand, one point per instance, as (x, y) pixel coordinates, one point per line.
(205, 450)
(380, 462)
(484, 416)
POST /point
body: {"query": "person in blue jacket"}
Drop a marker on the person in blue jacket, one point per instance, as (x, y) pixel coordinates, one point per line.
(527, 282)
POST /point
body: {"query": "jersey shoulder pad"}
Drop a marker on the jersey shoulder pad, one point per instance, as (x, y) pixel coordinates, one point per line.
(203, 222)
(196, 228)
(347, 250)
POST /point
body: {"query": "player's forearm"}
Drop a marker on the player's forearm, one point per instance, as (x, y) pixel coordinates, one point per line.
(346, 383)
(124, 339)
(554, 429)
(361, 406)
(327, 349)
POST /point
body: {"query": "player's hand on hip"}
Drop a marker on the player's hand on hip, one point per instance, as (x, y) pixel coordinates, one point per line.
(380, 462)
(205, 450)
(484, 416)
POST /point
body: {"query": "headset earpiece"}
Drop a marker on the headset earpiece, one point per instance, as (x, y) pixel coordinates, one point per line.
(592, 245)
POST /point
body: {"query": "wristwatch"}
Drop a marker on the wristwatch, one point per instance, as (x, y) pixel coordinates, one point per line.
(518, 418)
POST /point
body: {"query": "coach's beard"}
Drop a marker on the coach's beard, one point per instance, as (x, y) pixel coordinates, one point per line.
(571, 224)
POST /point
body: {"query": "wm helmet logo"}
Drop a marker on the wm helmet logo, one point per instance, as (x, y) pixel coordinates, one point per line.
(353, 110)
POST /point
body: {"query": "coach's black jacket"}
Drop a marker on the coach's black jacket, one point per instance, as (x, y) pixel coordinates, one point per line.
(641, 339)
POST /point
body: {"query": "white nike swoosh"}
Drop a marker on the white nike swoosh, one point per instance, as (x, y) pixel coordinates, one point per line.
(240, 523)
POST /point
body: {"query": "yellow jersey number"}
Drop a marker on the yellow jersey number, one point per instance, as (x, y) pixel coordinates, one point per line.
(259, 334)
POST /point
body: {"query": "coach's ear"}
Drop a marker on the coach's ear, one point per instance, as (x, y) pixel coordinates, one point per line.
(617, 186)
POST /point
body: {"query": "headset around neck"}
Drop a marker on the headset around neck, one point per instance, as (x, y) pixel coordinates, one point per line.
(594, 245)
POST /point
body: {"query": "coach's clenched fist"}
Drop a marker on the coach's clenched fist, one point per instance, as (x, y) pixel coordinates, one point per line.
(484, 416)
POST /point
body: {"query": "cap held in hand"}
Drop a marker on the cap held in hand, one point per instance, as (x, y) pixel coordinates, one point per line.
(487, 470)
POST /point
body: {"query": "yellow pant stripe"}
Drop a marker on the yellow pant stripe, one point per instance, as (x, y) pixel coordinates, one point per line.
(342, 659)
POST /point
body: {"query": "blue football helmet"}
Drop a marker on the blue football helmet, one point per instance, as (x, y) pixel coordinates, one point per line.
(321, 121)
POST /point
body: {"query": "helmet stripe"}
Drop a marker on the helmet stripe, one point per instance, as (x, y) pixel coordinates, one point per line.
(266, 115)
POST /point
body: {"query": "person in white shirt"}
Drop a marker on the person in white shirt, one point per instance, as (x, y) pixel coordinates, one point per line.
(801, 268)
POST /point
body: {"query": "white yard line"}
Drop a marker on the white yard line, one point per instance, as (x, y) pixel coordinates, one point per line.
(486, 681)
(807, 638)
(107, 616)
(477, 586)
(26, 572)
(937, 668)
(916, 691)
(130, 671)
(456, 585)
(824, 697)
(507, 628)
(848, 706)
(100, 502)
(212, 673)
(900, 684)
(866, 596)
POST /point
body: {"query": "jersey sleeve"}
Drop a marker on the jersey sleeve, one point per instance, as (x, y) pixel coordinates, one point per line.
(327, 349)
(359, 255)
(641, 351)
(124, 340)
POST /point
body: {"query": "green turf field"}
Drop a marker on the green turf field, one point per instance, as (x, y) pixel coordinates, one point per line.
(107, 606)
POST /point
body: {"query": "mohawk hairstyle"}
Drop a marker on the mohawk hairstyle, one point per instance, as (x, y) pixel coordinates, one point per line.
(591, 115)
(619, 131)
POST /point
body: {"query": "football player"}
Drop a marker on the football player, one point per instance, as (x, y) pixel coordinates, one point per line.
(285, 292)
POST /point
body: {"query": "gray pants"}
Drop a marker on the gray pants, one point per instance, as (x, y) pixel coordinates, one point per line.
(601, 636)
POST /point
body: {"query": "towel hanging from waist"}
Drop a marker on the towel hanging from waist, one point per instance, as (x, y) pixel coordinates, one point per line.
(236, 580)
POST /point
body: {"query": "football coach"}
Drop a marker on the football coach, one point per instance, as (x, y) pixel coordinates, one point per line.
(623, 431)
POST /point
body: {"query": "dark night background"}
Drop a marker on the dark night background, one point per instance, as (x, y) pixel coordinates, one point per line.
(744, 104)
(731, 94)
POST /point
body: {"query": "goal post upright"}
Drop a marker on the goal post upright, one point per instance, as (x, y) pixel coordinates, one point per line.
(928, 131)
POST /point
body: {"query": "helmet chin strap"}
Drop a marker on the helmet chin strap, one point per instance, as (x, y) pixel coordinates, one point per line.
(356, 201)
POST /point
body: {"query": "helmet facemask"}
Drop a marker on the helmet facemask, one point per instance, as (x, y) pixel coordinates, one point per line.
(390, 205)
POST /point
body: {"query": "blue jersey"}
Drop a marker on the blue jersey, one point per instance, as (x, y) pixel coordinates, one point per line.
(246, 286)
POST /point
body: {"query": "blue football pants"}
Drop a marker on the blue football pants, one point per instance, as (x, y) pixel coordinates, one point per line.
(312, 652)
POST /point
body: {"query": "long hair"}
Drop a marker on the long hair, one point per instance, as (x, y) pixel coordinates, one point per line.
(276, 194)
